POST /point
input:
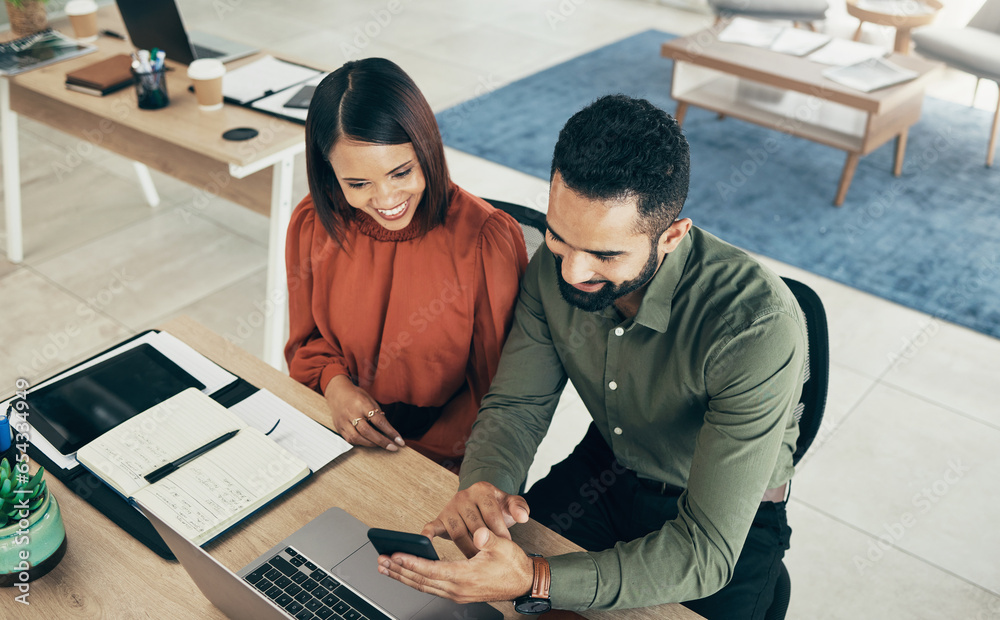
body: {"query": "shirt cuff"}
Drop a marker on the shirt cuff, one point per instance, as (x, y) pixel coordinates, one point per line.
(574, 581)
(484, 474)
(331, 371)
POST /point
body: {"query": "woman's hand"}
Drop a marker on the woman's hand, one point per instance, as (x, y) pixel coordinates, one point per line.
(358, 418)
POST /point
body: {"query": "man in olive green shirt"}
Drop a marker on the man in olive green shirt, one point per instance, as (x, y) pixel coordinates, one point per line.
(689, 357)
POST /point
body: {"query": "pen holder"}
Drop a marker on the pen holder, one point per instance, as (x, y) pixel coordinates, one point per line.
(151, 89)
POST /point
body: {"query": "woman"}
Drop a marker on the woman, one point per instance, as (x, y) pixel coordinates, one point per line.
(401, 284)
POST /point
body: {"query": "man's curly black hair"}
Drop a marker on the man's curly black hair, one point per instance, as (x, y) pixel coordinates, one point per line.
(619, 147)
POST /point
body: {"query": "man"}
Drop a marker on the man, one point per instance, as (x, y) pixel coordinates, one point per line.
(689, 357)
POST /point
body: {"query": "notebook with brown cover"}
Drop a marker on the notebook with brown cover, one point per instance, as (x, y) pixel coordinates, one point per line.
(102, 77)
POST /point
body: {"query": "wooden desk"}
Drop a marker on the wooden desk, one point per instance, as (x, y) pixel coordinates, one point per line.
(108, 574)
(179, 140)
(790, 94)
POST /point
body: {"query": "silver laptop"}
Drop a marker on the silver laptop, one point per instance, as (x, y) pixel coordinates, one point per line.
(325, 570)
(157, 23)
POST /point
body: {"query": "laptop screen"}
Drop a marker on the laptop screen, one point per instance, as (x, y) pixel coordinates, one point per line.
(157, 23)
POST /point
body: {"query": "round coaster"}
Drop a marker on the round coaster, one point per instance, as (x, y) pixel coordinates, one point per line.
(240, 133)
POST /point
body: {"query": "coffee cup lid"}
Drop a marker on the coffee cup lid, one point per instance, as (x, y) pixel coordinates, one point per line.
(80, 7)
(206, 69)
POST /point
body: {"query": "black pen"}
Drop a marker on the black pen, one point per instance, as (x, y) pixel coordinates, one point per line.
(112, 34)
(170, 468)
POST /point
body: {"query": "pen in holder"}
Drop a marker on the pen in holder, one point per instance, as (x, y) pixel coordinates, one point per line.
(151, 89)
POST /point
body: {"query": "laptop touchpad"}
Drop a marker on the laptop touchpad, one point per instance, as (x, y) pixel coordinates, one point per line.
(361, 571)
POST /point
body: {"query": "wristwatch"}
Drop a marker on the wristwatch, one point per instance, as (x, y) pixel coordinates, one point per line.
(537, 601)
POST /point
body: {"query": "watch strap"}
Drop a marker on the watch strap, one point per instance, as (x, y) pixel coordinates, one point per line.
(542, 579)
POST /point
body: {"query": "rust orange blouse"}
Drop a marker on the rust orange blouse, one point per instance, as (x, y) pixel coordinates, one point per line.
(413, 319)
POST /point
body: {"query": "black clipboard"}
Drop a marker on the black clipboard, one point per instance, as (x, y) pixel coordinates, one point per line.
(105, 499)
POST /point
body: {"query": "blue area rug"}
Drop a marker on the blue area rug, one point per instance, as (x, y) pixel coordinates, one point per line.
(929, 239)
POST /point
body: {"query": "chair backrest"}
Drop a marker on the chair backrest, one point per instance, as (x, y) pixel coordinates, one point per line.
(988, 17)
(809, 412)
(532, 223)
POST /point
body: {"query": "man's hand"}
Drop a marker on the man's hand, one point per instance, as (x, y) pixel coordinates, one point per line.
(481, 505)
(500, 571)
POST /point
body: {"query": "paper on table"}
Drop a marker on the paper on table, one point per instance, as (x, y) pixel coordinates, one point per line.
(798, 42)
(267, 75)
(842, 52)
(870, 75)
(298, 433)
(750, 32)
(276, 102)
(197, 365)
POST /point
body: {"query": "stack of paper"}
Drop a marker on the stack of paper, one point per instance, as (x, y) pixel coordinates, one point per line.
(772, 36)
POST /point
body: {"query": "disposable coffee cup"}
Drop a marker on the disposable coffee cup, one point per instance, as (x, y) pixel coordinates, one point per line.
(83, 16)
(206, 75)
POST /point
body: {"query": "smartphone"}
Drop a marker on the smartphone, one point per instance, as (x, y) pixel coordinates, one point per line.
(388, 542)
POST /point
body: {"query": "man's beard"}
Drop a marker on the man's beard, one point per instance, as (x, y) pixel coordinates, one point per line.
(609, 293)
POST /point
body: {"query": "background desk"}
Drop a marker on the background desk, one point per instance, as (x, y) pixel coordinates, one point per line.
(108, 574)
(179, 140)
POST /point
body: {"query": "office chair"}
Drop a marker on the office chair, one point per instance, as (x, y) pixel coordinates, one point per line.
(974, 49)
(809, 411)
(532, 223)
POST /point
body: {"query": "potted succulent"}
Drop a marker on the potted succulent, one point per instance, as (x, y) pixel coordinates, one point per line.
(26, 16)
(32, 535)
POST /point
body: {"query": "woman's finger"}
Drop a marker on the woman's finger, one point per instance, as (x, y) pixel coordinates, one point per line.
(379, 421)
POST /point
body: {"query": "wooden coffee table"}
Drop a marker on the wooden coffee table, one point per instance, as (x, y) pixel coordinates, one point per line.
(790, 94)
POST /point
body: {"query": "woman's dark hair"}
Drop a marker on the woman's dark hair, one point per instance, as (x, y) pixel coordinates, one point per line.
(619, 147)
(372, 100)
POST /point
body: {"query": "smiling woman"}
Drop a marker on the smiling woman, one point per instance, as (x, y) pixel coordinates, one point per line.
(401, 284)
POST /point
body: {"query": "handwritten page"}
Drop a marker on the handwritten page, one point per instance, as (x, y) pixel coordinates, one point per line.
(177, 426)
(215, 491)
(297, 432)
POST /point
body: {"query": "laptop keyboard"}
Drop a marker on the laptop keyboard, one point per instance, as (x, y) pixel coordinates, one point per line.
(306, 591)
(204, 52)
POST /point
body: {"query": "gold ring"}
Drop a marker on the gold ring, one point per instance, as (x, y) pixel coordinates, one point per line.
(355, 421)
(372, 412)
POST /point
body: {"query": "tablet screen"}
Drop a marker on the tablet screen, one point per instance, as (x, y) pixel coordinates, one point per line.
(80, 408)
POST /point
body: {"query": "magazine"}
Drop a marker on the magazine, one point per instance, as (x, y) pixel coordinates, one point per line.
(37, 50)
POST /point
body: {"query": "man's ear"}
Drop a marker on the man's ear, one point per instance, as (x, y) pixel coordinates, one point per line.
(673, 235)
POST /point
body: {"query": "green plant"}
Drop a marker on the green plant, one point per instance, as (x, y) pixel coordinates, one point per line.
(20, 3)
(16, 490)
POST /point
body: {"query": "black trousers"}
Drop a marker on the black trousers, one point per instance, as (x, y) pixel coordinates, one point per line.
(595, 502)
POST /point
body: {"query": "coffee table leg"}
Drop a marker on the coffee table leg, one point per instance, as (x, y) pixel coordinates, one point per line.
(857, 33)
(902, 45)
(682, 109)
(897, 168)
(845, 178)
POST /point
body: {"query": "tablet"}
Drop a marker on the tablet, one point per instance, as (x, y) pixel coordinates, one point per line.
(80, 408)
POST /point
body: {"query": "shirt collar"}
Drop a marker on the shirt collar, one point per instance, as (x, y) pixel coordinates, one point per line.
(654, 311)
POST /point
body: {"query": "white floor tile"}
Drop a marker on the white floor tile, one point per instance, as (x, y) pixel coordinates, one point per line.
(156, 266)
(918, 474)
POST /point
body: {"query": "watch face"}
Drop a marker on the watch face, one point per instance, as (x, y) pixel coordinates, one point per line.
(533, 606)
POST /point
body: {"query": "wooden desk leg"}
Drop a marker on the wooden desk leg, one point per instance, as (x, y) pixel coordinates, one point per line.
(845, 178)
(277, 283)
(11, 175)
(897, 168)
(146, 181)
(902, 45)
(681, 111)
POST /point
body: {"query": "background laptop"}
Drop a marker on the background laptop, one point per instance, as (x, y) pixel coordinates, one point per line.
(157, 23)
(326, 569)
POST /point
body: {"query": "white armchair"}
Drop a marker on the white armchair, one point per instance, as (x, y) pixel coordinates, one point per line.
(974, 49)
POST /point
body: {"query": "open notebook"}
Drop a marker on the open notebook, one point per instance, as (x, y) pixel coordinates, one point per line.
(208, 494)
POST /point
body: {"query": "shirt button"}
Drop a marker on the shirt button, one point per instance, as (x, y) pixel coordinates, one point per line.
(619, 331)
(613, 385)
(618, 430)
